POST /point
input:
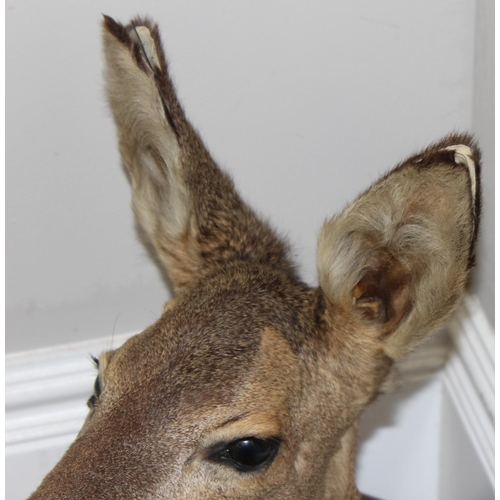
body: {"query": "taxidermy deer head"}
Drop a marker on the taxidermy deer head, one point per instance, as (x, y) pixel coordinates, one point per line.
(251, 384)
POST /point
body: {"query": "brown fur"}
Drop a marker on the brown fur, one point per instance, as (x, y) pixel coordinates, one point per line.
(246, 349)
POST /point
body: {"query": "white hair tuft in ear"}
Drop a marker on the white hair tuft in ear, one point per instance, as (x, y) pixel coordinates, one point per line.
(463, 156)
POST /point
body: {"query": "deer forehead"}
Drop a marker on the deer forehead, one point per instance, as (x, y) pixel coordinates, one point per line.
(179, 413)
(206, 355)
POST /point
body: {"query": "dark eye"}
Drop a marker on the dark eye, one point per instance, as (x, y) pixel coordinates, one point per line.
(248, 454)
(97, 387)
(97, 392)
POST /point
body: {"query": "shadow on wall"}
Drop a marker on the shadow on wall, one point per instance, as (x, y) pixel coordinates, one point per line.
(400, 434)
(384, 411)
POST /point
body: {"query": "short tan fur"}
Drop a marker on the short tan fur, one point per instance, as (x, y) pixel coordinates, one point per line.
(251, 384)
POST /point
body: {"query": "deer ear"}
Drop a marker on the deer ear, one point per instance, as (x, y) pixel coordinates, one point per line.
(397, 259)
(188, 208)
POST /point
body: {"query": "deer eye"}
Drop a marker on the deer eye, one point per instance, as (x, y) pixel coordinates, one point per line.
(97, 392)
(97, 387)
(248, 454)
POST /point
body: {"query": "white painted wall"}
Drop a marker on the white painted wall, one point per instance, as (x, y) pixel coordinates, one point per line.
(305, 103)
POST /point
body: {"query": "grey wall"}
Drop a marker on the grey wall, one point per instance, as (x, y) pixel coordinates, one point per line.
(305, 103)
(461, 474)
(483, 125)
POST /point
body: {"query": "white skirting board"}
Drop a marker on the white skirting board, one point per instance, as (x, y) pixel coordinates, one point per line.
(46, 392)
(469, 379)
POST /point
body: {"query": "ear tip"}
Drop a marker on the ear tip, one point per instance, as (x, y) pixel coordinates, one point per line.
(464, 140)
(466, 153)
(109, 24)
(121, 32)
(113, 30)
(459, 149)
(463, 151)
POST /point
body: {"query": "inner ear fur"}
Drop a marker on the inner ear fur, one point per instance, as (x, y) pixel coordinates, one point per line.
(398, 257)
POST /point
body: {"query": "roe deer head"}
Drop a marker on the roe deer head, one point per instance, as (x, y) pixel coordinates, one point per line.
(251, 384)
